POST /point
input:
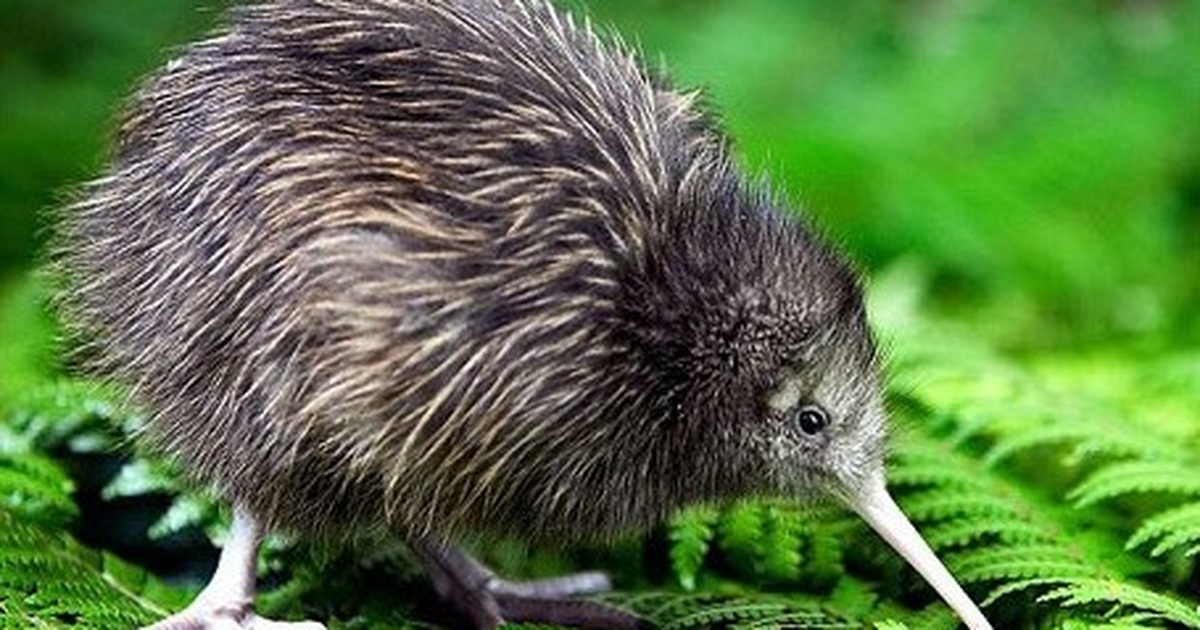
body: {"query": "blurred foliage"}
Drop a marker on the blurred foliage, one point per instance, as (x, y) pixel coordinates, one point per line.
(1043, 158)
(65, 65)
(1021, 178)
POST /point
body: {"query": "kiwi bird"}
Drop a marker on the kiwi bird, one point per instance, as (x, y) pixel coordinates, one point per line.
(453, 267)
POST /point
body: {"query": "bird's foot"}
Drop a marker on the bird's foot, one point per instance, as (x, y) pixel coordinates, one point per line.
(490, 601)
(552, 602)
(227, 602)
(213, 616)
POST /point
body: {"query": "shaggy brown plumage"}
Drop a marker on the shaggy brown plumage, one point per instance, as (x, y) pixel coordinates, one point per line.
(458, 266)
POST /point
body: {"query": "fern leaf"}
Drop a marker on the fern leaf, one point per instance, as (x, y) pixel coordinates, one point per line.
(48, 580)
(707, 611)
(739, 532)
(853, 597)
(780, 548)
(825, 554)
(36, 488)
(139, 477)
(1019, 563)
(797, 620)
(1085, 441)
(759, 613)
(187, 510)
(1019, 586)
(691, 533)
(1174, 528)
(964, 532)
(1084, 592)
(1176, 540)
(728, 612)
(936, 505)
(1050, 433)
(76, 412)
(912, 472)
(1134, 477)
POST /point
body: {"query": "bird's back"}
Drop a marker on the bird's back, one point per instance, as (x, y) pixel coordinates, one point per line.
(362, 258)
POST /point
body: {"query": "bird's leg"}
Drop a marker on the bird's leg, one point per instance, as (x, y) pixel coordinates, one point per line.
(490, 601)
(227, 603)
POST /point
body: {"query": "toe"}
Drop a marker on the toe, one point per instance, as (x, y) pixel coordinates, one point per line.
(222, 619)
(586, 583)
(262, 623)
(197, 620)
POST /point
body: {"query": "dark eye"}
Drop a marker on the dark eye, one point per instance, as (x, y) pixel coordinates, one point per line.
(812, 419)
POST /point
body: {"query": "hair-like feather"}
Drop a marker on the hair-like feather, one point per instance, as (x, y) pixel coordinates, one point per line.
(446, 265)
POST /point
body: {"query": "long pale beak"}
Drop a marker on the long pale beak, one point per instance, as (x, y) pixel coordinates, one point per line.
(877, 508)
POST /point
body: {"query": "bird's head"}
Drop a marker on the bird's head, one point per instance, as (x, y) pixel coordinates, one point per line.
(760, 330)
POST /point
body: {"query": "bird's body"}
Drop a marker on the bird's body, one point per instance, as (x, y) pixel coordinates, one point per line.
(397, 260)
(457, 266)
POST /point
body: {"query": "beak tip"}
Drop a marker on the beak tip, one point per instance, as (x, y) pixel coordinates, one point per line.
(880, 511)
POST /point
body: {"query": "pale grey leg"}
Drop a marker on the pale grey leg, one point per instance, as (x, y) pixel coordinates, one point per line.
(227, 603)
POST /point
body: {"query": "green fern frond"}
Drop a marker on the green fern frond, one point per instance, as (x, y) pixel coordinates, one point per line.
(1080, 409)
(36, 489)
(938, 505)
(1082, 437)
(1131, 622)
(1012, 538)
(1136, 477)
(853, 597)
(691, 533)
(740, 530)
(751, 611)
(967, 531)
(826, 546)
(755, 614)
(47, 581)
(726, 614)
(785, 529)
(763, 539)
(1019, 563)
(1085, 592)
(80, 414)
(1174, 528)
(139, 477)
(187, 510)
(1020, 586)
(928, 471)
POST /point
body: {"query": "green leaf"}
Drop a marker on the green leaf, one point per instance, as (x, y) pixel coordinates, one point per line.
(691, 533)
(1137, 477)
(47, 579)
(1084, 592)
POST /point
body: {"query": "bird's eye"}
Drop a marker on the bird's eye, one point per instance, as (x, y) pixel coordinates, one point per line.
(812, 419)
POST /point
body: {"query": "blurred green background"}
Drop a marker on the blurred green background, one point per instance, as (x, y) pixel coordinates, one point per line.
(1039, 159)
(1030, 167)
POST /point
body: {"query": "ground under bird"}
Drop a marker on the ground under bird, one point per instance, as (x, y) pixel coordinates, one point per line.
(459, 267)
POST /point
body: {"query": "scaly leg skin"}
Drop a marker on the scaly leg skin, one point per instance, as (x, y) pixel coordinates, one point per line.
(227, 603)
(490, 601)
